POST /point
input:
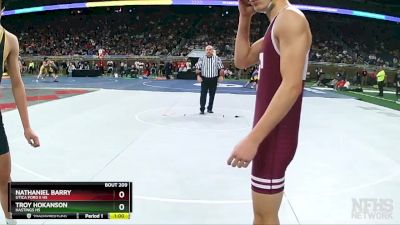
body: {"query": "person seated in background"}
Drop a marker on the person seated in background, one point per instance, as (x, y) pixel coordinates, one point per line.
(319, 73)
(341, 85)
(344, 85)
(228, 73)
(153, 69)
(134, 71)
(122, 69)
(110, 68)
(86, 66)
(325, 81)
(71, 68)
(357, 79)
(253, 82)
(182, 68)
(332, 83)
(125, 70)
(188, 65)
(146, 73)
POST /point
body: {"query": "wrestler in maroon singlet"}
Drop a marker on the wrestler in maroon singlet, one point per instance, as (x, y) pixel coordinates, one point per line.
(278, 148)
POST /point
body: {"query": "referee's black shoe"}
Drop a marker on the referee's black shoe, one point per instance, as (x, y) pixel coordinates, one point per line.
(210, 111)
(201, 112)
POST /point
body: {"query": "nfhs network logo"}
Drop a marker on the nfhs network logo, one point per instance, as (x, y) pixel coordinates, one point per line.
(372, 209)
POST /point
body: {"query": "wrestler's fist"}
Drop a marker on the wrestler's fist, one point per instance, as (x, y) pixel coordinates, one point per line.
(246, 9)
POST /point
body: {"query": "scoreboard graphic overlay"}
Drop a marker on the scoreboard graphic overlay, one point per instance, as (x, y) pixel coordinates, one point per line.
(70, 200)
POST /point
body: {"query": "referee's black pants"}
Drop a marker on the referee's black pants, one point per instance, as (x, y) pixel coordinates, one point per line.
(208, 85)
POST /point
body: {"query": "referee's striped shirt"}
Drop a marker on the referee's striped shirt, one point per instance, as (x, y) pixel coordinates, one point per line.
(209, 66)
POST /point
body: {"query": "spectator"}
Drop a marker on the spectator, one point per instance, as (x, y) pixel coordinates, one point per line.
(364, 77)
(168, 70)
(380, 78)
(357, 78)
(124, 33)
(253, 82)
(71, 68)
(134, 71)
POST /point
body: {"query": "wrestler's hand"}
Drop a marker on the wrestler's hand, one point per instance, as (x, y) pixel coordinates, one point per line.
(32, 138)
(243, 153)
(245, 9)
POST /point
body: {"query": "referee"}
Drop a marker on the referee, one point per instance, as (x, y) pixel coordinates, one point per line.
(209, 72)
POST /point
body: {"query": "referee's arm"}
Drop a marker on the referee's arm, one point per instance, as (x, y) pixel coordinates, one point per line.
(199, 65)
(221, 69)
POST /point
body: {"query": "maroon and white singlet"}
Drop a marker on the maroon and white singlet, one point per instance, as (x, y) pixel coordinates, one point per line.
(279, 147)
